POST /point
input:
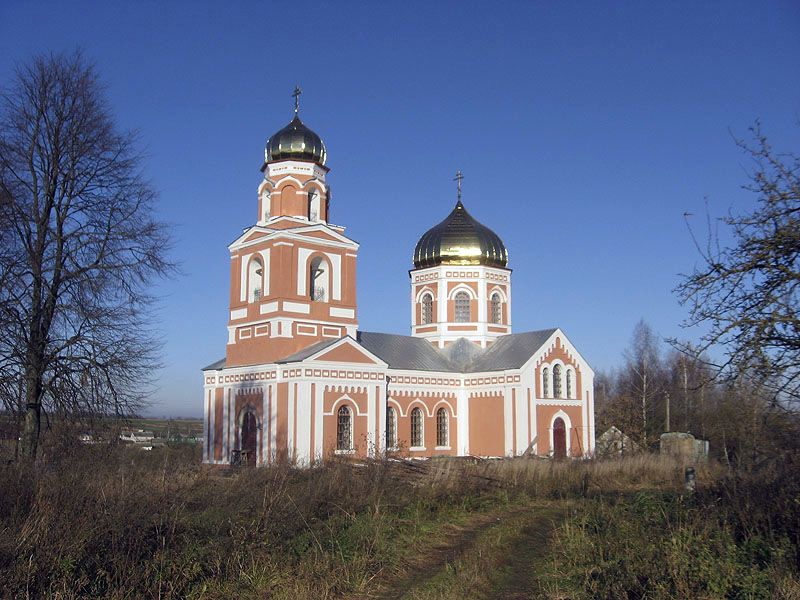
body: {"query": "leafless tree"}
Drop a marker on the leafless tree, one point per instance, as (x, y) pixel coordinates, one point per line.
(642, 374)
(80, 246)
(745, 295)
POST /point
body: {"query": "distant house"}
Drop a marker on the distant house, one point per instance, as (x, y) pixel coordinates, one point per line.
(139, 436)
(614, 443)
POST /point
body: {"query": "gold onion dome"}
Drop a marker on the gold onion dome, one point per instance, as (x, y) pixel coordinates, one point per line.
(460, 240)
(296, 142)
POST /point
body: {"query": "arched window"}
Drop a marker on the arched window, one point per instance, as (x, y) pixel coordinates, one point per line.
(313, 205)
(545, 383)
(320, 279)
(497, 309)
(391, 427)
(417, 434)
(462, 303)
(344, 429)
(557, 381)
(442, 423)
(569, 383)
(255, 280)
(427, 309)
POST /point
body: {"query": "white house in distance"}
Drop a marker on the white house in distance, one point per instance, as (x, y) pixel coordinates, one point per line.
(300, 381)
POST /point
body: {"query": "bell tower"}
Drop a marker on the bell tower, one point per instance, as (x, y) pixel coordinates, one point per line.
(460, 283)
(293, 273)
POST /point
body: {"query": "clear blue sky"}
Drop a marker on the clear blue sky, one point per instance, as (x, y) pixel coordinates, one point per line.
(585, 130)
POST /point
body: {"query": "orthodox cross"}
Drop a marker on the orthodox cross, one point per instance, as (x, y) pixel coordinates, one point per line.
(459, 176)
(296, 93)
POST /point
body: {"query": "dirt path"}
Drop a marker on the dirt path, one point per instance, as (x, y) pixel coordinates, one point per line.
(494, 555)
(518, 574)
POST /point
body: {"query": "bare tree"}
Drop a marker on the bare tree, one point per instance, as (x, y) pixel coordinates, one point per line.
(80, 246)
(746, 295)
(642, 373)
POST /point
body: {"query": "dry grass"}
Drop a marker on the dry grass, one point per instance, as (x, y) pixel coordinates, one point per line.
(113, 522)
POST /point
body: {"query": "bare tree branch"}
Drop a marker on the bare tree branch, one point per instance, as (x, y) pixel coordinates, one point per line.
(80, 246)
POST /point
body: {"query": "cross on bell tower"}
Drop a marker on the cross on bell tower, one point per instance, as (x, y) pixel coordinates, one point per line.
(296, 94)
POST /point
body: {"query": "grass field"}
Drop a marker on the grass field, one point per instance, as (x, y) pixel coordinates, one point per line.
(111, 522)
(164, 428)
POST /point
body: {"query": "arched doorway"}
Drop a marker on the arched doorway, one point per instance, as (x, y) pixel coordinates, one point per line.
(559, 438)
(249, 437)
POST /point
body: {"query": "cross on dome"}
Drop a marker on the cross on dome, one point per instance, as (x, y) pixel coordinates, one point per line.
(459, 177)
(296, 94)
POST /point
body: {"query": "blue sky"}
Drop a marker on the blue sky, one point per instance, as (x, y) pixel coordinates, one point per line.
(584, 130)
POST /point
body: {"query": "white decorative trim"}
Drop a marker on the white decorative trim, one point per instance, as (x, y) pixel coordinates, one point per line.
(268, 307)
(568, 433)
(508, 423)
(344, 313)
(336, 275)
(239, 313)
(296, 307)
(462, 287)
(344, 398)
(245, 262)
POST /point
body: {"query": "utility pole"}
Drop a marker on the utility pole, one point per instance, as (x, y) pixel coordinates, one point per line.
(667, 423)
(685, 391)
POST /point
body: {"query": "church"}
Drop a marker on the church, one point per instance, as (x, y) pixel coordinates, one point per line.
(301, 381)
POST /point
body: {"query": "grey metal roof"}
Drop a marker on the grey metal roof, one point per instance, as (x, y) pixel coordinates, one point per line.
(510, 351)
(404, 351)
(306, 352)
(215, 366)
(462, 352)
(412, 353)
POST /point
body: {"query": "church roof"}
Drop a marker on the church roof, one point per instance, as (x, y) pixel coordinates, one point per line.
(306, 352)
(215, 366)
(404, 351)
(417, 354)
(413, 353)
(510, 351)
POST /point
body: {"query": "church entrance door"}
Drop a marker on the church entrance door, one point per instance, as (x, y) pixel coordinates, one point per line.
(249, 439)
(559, 439)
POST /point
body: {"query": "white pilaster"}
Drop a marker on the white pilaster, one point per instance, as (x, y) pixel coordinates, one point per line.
(508, 428)
(380, 447)
(371, 441)
(225, 403)
(521, 416)
(265, 429)
(206, 414)
(319, 395)
(462, 424)
(303, 418)
(290, 425)
(273, 422)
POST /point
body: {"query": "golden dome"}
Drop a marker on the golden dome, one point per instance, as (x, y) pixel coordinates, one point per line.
(460, 240)
(296, 142)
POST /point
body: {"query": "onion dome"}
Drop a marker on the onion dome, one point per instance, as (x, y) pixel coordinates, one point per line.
(460, 240)
(295, 142)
